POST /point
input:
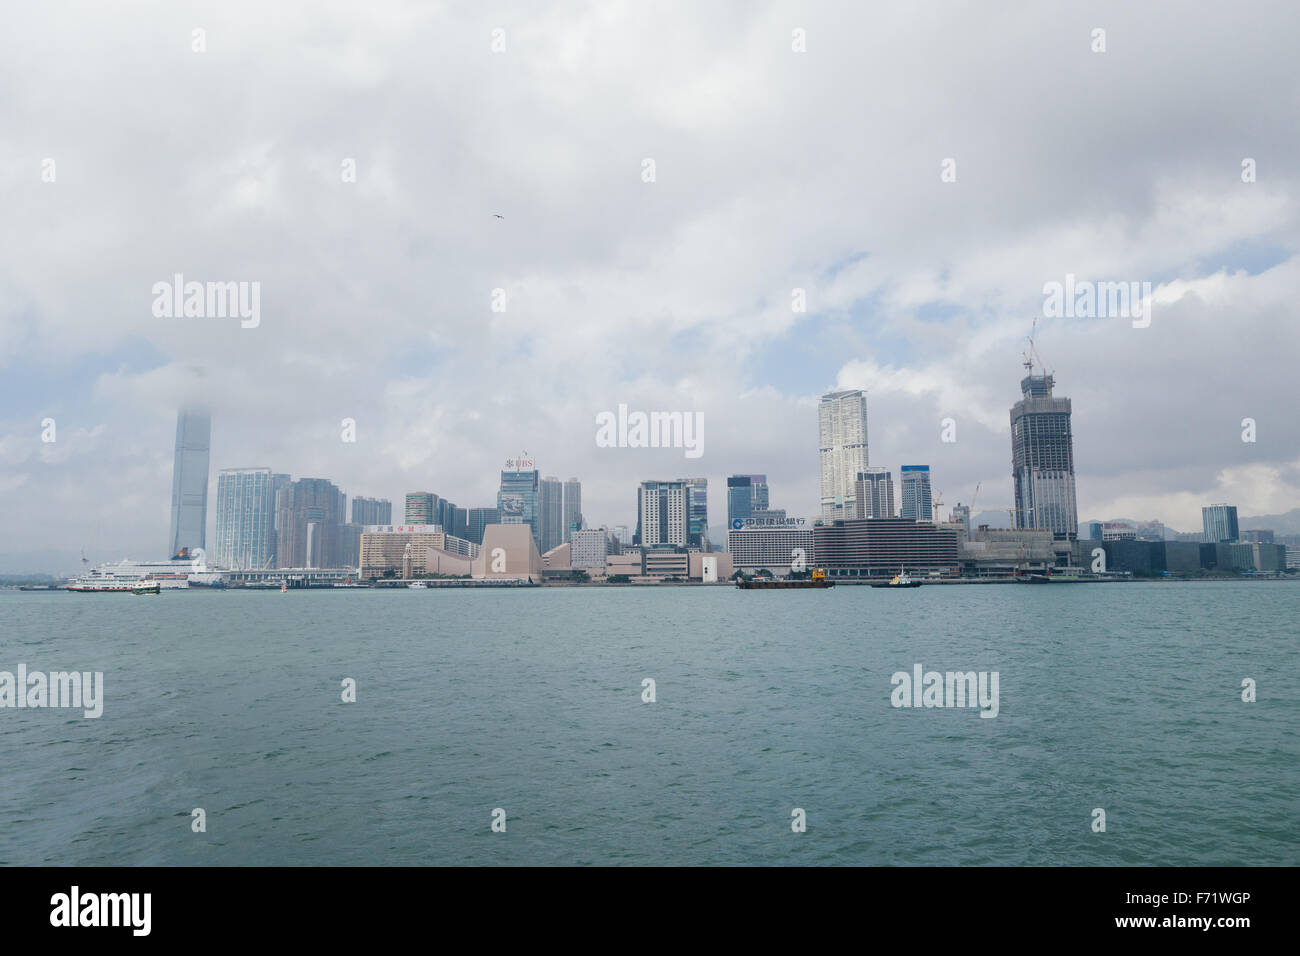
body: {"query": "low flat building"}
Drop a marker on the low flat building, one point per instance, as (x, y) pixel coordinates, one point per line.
(999, 552)
(775, 548)
(874, 547)
(431, 551)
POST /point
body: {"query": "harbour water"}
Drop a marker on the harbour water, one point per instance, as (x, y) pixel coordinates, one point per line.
(1126, 698)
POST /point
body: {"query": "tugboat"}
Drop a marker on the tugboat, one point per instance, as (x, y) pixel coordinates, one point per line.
(818, 580)
(900, 580)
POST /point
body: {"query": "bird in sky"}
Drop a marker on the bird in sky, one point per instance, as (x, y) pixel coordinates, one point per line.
(498, 215)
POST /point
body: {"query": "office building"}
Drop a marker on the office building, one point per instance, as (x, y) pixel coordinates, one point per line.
(372, 511)
(745, 495)
(409, 551)
(842, 430)
(550, 499)
(245, 519)
(421, 508)
(1042, 453)
(915, 499)
(477, 520)
(572, 507)
(1219, 523)
(189, 516)
(777, 548)
(874, 494)
(697, 513)
(518, 498)
(873, 547)
(1257, 536)
(660, 513)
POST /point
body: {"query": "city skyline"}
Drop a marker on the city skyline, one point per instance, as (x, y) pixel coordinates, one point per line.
(917, 289)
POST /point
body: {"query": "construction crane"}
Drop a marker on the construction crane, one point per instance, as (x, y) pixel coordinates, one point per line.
(1031, 355)
(936, 504)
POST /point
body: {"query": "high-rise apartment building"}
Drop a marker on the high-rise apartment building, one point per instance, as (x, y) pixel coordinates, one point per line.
(189, 516)
(1042, 454)
(916, 503)
(842, 429)
(1220, 523)
(309, 515)
(660, 513)
(874, 491)
(245, 519)
(372, 511)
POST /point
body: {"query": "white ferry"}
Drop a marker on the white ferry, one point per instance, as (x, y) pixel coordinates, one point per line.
(126, 574)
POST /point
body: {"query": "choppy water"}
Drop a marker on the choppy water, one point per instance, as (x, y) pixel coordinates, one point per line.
(1124, 697)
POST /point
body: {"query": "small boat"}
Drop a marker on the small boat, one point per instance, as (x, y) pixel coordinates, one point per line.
(418, 586)
(818, 580)
(283, 587)
(147, 587)
(900, 580)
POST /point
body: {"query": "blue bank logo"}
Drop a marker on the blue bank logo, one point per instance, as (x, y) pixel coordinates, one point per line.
(737, 524)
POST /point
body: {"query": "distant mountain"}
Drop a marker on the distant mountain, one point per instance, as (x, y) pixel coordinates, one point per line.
(1288, 523)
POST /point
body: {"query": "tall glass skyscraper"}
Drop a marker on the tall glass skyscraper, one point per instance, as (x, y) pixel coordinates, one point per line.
(1220, 523)
(1042, 460)
(745, 495)
(517, 501)
(916, 503)
(697, 512)
(190, 480)
(245, 518)
(572, 507)
(551, 504)
(842, 427)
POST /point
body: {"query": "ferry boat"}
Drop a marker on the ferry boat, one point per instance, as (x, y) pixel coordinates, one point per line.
(146, 587)
(818, 580)
(418, 586)
(124, 574)
(900, 580)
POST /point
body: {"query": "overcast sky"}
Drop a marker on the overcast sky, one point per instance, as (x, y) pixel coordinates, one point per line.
(773, 170)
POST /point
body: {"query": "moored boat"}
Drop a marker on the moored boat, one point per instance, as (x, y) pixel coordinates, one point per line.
(818, 580)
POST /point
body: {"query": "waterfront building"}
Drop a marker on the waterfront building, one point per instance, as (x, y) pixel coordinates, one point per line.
(372, 511)
(509, 552)
(870, 547)
(413, 550)
(660, 513)
(842, 430)
(589, 549)
(916, 503)
(1220, 523)
(874, 494)
(774, 548)
(189, 513)
(1042, 452)
(245, 519)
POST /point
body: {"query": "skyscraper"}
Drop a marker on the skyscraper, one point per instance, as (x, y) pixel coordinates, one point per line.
(697, 513)
(842, 427)
(572, 507)
(1220, 523)
(874, 492)
(421, 507)
(372, 511)
(1042, 455)
(745, 495)
(550, 496)
(308, 518)
(916, 504)
(660, 513)
(245, 518)
(190, 480)
(517, 501)
(477, 520)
